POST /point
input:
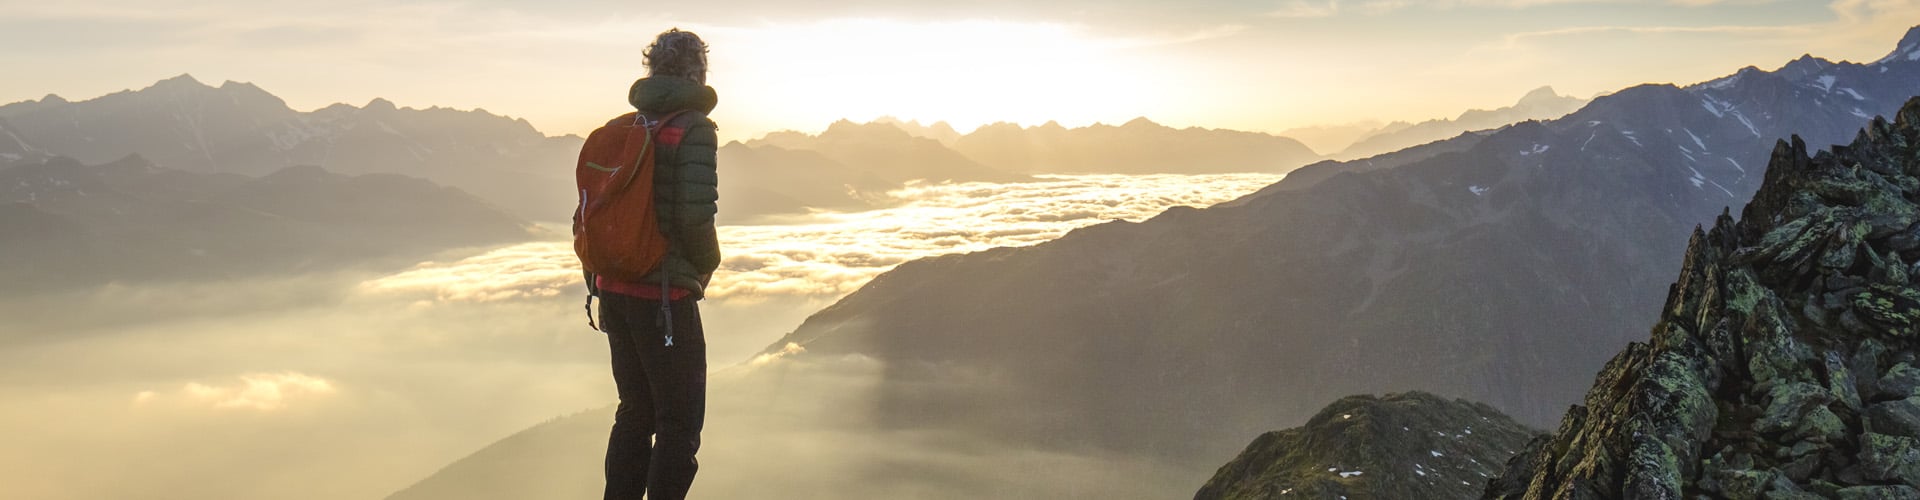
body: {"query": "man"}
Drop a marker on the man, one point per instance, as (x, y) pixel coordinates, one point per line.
(653, 324)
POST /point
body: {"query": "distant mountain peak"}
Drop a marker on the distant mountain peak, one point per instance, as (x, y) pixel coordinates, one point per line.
(53, 99)
(1804, 66)
(1140, 122)
(1544, 97)
(233, 85)
(1544, 92)
(379, 104)
(871, 130)
(184, 81)
(131, 163)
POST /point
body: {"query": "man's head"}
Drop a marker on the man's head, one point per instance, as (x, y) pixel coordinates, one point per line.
(677, 53)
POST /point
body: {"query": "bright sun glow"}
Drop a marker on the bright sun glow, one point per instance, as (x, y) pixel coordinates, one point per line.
(968, 73)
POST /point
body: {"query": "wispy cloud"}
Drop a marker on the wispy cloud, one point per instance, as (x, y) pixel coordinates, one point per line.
(1307, 9)
(1517, 39)
(260, 392)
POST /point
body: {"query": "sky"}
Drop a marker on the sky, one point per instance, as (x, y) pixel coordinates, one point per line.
(799, 65)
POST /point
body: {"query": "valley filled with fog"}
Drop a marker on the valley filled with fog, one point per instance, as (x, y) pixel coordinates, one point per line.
(358, 383)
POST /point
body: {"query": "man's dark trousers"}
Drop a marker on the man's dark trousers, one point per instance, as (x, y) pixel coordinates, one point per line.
(663, 397)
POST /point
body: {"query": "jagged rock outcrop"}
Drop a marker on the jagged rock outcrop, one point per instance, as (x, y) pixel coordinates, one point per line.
(1784, 362)
(1405, 445)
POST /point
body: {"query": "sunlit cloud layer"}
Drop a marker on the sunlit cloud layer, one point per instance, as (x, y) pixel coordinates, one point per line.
(827, 255)
(263, 392)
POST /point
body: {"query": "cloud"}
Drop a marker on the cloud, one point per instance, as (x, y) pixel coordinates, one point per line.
(829, 254)
(1307, 9)
(258, 392)
(1516, 39)
(788, 350)
(1330, 8)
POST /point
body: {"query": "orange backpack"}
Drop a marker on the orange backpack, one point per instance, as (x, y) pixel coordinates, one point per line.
(615, 231)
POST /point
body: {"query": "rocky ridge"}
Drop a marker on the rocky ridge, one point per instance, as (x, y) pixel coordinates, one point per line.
(1405, 445)
(1786, 363)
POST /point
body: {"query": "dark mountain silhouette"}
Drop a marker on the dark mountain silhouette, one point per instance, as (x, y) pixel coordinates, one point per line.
(563, 452)
(848, 167)
(1136, 147)
(765, 180)
(1335, 137)
(889, 153)
(1501, 273)
(1540, 104)
(1782, 365)
(1309, 175)
(72, 225)
(1406, 445)
(939, 131)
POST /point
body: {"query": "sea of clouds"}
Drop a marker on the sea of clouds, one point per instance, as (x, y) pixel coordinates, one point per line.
(827, 255)
(356, 384)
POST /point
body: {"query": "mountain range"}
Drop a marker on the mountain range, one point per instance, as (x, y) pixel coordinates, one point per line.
(1139, 146)
(71, 225)
(1501, 272)
(1500, 266)
(182, 124)
(1540, 104)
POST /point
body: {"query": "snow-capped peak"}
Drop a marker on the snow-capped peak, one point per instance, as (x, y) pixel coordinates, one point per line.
(1908, 50)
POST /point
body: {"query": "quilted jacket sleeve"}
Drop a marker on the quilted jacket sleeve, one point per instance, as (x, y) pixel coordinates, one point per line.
(693, 190)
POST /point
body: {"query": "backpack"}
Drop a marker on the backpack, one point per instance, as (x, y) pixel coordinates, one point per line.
(616, 232)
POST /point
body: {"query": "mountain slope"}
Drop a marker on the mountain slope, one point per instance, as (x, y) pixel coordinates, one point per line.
(1406, 445)
(1136, 147)
(1782, 365)
(1500, 273)
(1540, 104)
(887, 152)
(76, 225)
(182, 124)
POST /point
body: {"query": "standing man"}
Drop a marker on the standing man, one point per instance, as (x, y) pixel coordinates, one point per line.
(651, 317)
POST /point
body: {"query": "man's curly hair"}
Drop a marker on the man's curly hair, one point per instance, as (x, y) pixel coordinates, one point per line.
(677, 53)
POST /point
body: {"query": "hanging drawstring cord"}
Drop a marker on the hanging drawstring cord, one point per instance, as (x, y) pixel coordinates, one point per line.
(590, 313)
(666, 300)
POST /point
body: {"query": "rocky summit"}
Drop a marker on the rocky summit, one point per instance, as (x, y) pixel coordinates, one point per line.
(1406, 445)
(1786, 362)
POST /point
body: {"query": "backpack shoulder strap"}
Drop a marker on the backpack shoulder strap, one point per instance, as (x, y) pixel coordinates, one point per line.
(669, 128)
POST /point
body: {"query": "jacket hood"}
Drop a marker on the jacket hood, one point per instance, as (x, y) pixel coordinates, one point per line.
(670, 94)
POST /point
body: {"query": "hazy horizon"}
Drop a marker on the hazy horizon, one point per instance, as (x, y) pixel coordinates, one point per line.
(566, 66)
(899, 311)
